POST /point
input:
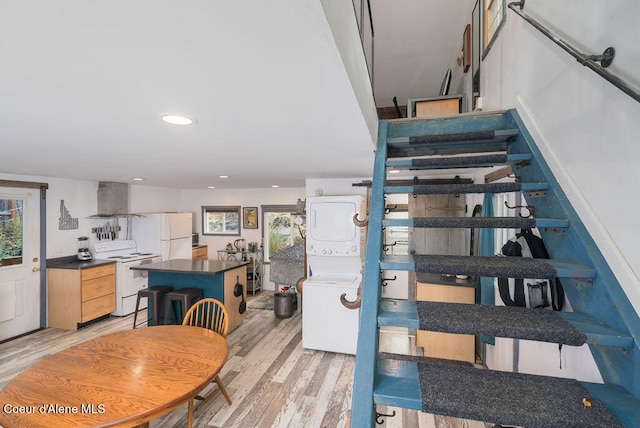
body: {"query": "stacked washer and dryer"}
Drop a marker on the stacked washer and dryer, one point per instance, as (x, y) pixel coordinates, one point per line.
(335, 259)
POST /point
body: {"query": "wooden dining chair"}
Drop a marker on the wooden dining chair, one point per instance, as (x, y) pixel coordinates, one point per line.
(210, 314)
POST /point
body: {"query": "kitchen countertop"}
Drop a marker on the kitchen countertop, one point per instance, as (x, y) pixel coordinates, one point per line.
(72, 262)
(201, 267)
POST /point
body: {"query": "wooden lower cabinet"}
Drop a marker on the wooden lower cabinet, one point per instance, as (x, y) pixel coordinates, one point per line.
(76, 296)
(231, 301)
(200, 253)
(449, 346)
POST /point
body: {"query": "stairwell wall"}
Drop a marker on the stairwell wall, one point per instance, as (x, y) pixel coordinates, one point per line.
(586, 127)
(586, 130)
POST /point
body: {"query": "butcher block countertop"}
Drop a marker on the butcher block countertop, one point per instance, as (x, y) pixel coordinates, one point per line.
(202, 267)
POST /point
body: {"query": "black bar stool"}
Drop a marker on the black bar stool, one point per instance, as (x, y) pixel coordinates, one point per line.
(155, 294)
(185, 296)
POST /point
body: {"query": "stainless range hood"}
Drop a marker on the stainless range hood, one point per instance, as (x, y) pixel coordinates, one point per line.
(113, 200)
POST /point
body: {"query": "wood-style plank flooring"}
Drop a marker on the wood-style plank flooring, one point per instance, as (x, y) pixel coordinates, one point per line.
(272, 380)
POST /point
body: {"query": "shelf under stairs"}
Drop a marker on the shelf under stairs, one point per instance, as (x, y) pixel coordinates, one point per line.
(602, 317)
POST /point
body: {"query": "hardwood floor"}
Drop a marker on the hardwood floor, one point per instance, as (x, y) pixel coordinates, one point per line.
(272, 380)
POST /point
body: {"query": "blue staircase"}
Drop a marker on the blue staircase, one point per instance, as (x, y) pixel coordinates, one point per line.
(602, 316)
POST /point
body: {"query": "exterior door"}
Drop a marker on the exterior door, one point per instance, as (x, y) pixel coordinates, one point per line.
(19, 261)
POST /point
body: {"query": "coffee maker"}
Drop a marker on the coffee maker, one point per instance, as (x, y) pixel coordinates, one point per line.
(83, 248)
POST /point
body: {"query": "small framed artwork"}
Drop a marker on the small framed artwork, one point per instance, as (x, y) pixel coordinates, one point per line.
(250, 217)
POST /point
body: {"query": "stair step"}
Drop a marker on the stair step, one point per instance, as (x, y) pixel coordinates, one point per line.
(502, 397)
(502, 321)
(477, 222)
(481, 161)
(488, 266)
(450, 142)
(454, 189)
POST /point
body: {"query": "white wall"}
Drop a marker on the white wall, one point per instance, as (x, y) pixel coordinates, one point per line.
(341, 19)
(586, 128)
(80, 199)
(335, 187)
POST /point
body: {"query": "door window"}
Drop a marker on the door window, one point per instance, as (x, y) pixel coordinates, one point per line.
(11, 232)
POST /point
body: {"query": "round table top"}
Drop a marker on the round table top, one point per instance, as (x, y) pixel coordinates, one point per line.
(120, 379)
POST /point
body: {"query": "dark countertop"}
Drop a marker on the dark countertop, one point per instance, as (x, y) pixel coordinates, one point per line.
(198, 246)
(201, 267)
(72, 262)
(436, 278)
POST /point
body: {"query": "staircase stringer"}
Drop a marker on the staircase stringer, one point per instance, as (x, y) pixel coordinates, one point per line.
(362, 406)
(604, 298)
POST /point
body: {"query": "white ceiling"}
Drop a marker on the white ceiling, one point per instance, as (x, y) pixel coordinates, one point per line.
(83, 85)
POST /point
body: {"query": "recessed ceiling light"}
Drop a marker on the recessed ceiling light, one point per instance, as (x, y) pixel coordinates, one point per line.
(223, 176)
(176, 119)
(211, 187)
(275, 185)
(394, 171)
(138, 179)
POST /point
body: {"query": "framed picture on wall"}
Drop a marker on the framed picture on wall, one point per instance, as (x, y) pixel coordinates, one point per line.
(250, 217)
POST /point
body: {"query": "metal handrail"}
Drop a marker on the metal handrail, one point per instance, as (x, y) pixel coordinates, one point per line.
(373, 35)
(589, 61)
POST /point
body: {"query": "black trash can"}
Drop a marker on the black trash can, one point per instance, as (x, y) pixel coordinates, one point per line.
(284, 304)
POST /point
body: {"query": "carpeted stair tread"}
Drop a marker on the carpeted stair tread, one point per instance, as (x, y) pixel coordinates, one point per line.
(488, 266)
(473, 222)
(458, 161)
(404, 313)
(437, 139)
(448, 162)
(510, 398)
(488, 134)
(501, 321)
(463, 188)
(505, 267)
(477, 222)
(497, 397)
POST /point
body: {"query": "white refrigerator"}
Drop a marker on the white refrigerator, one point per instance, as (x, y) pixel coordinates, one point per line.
(167, 234)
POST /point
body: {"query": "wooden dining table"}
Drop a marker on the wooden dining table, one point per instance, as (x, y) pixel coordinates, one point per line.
(122, 379)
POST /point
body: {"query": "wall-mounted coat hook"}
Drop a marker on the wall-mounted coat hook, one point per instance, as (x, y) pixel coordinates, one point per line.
(384, 280)
(379, 417)
(531, 209)
(360, 223)
(385, 247)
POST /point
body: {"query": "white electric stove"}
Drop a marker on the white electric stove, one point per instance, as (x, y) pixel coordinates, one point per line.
(128, 282)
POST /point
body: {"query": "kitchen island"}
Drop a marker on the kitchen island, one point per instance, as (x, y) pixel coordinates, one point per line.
(216, 279)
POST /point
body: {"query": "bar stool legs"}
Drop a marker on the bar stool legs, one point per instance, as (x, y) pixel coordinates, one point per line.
(155, 295)
(183, 296)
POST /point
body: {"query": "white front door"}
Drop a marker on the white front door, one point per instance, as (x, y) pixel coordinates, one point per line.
(19, 261)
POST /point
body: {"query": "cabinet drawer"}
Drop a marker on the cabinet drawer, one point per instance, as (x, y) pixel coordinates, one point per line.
(201, 253)
(97, 307)
(97, 272)
(98, 287)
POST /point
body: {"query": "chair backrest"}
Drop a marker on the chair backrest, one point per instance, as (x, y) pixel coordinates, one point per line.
(210, 314)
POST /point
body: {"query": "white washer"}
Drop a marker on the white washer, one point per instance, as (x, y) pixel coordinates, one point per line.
(326, 324)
